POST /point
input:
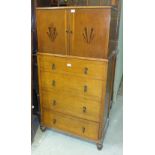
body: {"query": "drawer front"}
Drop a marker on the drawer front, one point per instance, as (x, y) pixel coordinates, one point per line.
(82, 67)
(69, 124)
(76, 85)
(71, 105)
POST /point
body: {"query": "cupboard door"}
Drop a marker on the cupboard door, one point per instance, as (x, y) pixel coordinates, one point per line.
(89, 32)
(51, 30)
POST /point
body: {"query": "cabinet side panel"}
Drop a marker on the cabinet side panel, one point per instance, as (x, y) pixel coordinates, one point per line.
(39, 82)
(104, 105)
(113, 35)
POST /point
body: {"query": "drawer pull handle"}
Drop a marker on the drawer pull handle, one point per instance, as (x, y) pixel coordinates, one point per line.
(54, 102)
(53, 83)
(85, 88)
(85, 70)
(84, 109)
(53, 66)
(54, 121)
(83, 130)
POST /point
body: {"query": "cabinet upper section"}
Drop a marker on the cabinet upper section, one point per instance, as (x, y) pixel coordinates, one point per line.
(77, 31)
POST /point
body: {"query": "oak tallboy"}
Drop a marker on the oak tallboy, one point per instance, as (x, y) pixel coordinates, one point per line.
(75, 51)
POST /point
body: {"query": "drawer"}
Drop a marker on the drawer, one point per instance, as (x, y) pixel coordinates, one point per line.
(81, 67)
(69, 124)
(71, 105)
(70, 83)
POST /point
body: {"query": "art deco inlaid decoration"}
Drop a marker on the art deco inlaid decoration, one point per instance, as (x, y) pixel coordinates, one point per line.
(88, 35)
(52, 32)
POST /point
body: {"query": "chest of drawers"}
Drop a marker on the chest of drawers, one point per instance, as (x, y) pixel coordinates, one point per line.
(74, 70)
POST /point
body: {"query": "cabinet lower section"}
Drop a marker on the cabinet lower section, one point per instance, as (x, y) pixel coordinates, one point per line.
(74, 95)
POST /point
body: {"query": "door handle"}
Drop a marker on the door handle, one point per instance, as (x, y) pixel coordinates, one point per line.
(69, 31)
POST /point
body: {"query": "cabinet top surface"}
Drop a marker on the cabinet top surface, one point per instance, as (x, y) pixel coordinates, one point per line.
(76, 57)
(76, 7)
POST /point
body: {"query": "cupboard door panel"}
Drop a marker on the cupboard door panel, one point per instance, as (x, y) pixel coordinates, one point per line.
(51, 31)
(89, 32)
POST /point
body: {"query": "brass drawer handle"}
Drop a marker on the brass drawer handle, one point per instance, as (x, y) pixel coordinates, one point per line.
(83, 129)
(54, 121)
(85, 88)
(85, 70)
(84, 109)
(53, 66)
(53, 83)
(54, 102)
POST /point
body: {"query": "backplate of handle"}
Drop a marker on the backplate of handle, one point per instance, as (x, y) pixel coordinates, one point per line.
(83, 129)
(84, 109)
(54, 102)
(53, 67)
(53, 83)
(85, 88)
(85, 70)
(54, 121)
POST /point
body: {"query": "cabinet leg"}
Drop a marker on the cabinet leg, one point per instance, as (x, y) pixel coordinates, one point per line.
(99, 146)
(100, 143)
(42, 128)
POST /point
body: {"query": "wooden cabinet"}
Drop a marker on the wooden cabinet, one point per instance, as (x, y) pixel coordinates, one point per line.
(74, 69)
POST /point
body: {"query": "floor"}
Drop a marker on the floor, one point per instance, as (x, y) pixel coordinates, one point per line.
(54, 143)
